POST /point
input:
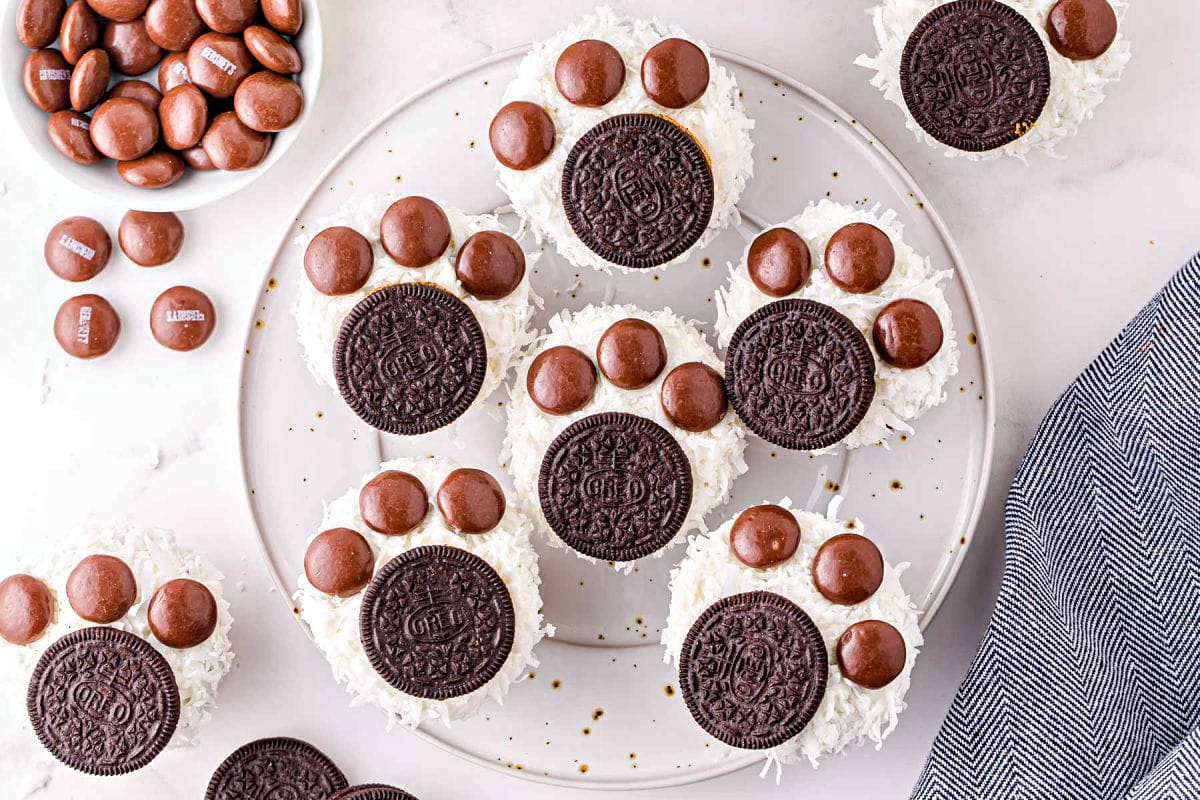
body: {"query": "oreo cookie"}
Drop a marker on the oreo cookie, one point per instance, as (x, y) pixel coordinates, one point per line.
(437, 622)
(975, 74)
(799, 374)
(373, 791)
(276, 767)
(753, 670)
(103, 701)
(615, 486)
(410, 359)
(637, 190)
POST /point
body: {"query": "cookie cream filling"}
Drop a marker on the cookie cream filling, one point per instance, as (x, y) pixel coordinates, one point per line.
(901, 395)
(717, 121)
(716, 455)
(334, 621)
(505, 322)
(848, 714)
(1076, 87)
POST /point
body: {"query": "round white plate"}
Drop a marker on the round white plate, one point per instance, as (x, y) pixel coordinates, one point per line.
(602, 710)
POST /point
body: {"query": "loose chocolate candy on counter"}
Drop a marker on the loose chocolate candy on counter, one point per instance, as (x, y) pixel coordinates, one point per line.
(197, 159)
(285, 16)
(871, 653)
(339, 561)
(154, 171)
(907, 333)
(589, 73)
(47, 79)
(279, 768)
(561, 380)
(150, 238)
(414, 231)
(693, 397)
(101, 589)
(89, 79)
(764, 536)
(77, 249)
(80, 32)
(38, 22)
(172, 72)
(522, 135)
(182, 318)
(779, 262)
(393, 502)
(70, 133)
(675, 73)
(631, 353)
(847, 569)
(859, 257)
(87, 326)
(119, 10)
(227, 16)
(173, 24)
(182, 613)
(1082, 29)
(124, 128)
(130, 47)
(234, 146)
(338, 261)
(490, 265)
(141, 91)
(26, 609)
(218, 63)
(268, 102)
(272, 50)
(471, 501)
(183, 116)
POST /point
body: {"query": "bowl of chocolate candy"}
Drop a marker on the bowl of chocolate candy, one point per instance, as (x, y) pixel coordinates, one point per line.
(161, 104)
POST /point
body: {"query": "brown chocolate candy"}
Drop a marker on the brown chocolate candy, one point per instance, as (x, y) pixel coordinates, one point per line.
(26, 609)
(227, 16)
(779, 262)
(87, 326)
(847, 569)
(154, 171)
(589, 73)
(124, 128)
(859, 257)
(339, 561)
(490, 265)
(80, 32)
(119, 10)
(631, 353)
(1082, 29)
(141, 91)
(268, 102)
(197, 159)
(38, 22)
(561, 380)
(77, 248)
(182, 613)
(71, 133)
(414, 231)
(47, 80)
(182, 318)
(471, 501)
(234, 146)
(89, 80)
(183, 116)
(522, 135)
(764, 536)
(272, 50)
(130, 47)
(675, 73)
(173, 24)
(172, 72)
(393, 503)
(339, 260)
(907, 333)
(871, 653)
(101, 589)
(693, 397)
(285, 16)
(150, 238)
(218, 63)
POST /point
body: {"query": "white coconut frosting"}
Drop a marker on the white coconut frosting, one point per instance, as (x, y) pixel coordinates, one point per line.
(717, 120)
(716, 455)
(1076, 87)
(505, 322)
(901, 395)
(848, 714)
(334, 620)
(154, 557)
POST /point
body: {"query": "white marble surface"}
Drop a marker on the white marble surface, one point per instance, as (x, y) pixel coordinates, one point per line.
(1062, 253)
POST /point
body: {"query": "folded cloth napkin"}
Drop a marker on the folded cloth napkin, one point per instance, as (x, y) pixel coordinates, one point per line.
(1087, 684)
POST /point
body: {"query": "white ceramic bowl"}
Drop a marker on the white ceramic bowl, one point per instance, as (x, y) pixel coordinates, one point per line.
(194, 188)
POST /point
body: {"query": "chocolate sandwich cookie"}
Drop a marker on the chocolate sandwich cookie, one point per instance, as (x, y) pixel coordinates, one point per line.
(637, 190)
(410, 359)
(278, 767)
(437, 622)
(373, 791)
(975, 74)
(799, 374)
(615, 486)
(103, 701)
(753, 670)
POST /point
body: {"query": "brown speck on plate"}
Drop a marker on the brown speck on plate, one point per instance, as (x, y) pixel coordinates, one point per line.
(897, 486)
(972, 339)
(669, 690)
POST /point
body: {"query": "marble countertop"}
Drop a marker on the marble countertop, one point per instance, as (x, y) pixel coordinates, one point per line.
(1062, 252)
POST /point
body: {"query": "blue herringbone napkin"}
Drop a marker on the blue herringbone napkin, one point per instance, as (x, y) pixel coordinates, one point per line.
(1087, 684)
